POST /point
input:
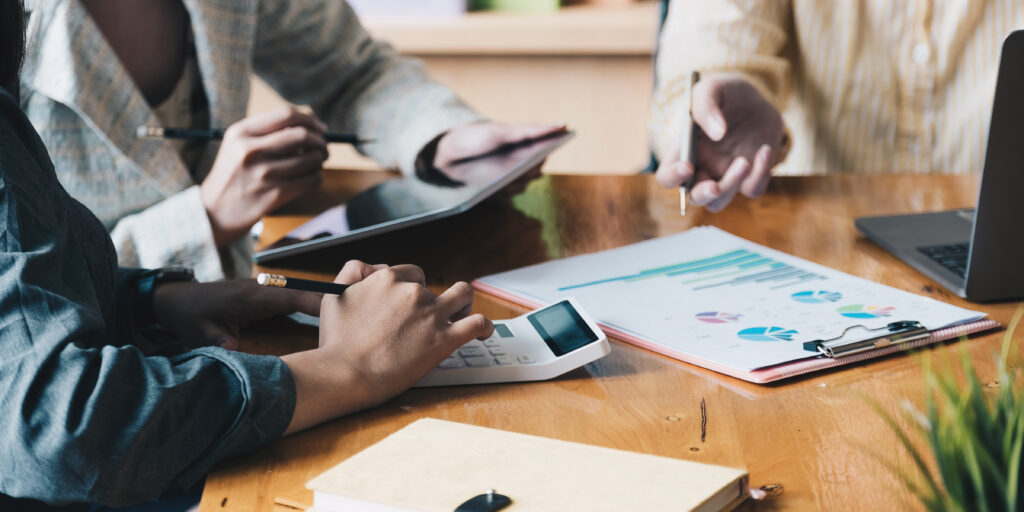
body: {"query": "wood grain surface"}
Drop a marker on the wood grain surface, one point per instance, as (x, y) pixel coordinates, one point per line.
(815, 436)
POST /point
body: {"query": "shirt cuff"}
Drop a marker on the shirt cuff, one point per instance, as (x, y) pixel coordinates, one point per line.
(268, 403)
(175, 232)
(429, 124)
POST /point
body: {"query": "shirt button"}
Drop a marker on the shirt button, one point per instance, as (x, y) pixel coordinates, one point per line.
(921, 53)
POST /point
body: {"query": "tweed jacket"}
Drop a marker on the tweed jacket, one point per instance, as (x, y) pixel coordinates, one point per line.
(313, 52)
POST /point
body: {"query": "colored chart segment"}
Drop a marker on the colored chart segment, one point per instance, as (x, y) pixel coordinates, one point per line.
(767, 334)
(718, 317)
(733, 268)
(865, 311)
(817, 297)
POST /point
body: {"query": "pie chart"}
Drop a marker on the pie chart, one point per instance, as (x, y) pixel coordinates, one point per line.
(865, 311)
(817, 296)
(767, 334)
(717, 317)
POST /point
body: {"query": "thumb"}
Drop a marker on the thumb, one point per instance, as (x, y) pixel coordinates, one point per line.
(707, 108)
(355, 271)
(508, 134)
(216, 335)
(228, 343)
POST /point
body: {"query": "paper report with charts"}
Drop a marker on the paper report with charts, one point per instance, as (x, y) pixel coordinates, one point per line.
(716, 300)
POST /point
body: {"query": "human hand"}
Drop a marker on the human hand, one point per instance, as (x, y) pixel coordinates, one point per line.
(264, 161)
(377, 339)
(480, 138)
(741, 134)
(201, 314)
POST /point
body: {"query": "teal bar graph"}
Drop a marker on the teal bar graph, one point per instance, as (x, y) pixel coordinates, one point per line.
(733, 268)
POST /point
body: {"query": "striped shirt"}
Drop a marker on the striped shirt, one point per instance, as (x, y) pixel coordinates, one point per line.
(866, 86)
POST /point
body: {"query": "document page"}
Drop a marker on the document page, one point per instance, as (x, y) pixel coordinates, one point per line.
(724, 299)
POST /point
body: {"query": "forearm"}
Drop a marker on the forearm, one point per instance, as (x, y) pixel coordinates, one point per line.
(118, 428)
(323, 390)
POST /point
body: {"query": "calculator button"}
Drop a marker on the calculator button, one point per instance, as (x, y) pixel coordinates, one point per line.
(504, 360)
(503, 330)
(471, 351)
(451, 362)
(477, 361)
(472, 344)
(497, 351)
(525, 359)
(490, 342)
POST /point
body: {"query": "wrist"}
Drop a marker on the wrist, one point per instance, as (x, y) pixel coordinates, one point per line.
(218, 230)
(324, 389)
(426, 165)
(150, 288)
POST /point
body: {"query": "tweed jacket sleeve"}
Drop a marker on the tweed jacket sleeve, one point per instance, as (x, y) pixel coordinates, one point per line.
(317, 53)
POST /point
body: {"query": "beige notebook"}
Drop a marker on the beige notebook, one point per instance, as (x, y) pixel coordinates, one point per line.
(434, 465)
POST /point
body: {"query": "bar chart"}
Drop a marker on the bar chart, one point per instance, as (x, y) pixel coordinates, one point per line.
(733, 268)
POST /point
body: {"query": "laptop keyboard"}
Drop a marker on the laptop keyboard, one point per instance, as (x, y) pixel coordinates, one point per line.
(951, 256)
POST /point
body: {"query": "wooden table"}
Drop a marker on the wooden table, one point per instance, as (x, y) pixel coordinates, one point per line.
(815, 436)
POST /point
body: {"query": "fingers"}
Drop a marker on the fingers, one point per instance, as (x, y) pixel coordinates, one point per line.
(728, 186)
(264, 302)
(295, 167)
(409, 273)
(355, 271)
(284, 191)
(277, 119)
(456, 302)
(673, 174)
(306, 302)
(756, 183)
(707, 111)
(472, 327)
(289, 141)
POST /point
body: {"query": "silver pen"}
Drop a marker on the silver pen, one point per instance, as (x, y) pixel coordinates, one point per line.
(689, 140)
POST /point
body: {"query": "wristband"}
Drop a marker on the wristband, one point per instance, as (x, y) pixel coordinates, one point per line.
(146, 286)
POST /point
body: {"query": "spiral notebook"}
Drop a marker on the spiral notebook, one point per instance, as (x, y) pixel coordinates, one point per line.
(718, 301)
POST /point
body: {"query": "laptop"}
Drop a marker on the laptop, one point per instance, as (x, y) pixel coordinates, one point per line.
(405, 202)
(977, 254)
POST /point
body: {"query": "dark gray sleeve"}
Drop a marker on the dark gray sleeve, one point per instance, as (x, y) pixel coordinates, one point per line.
(109, 425)
(85, 416)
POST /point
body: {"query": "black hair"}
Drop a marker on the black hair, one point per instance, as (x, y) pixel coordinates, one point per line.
(12, 41)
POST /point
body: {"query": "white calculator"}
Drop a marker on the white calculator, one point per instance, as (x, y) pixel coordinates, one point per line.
(539, 345)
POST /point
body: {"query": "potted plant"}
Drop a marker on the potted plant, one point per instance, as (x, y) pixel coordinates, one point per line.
(974, 433)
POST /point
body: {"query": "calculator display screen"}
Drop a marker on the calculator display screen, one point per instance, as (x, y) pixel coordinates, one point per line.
(562, 328)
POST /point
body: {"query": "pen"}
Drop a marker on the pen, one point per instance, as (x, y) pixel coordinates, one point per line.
(159, 132)
(690, 139)
(294, 283)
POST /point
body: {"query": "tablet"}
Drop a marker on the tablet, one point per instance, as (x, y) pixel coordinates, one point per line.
(408, 201)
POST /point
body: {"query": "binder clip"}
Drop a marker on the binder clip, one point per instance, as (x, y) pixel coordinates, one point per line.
(892, 334)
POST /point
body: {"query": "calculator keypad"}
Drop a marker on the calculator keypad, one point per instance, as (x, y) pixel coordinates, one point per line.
(471, 351)
(489, 352)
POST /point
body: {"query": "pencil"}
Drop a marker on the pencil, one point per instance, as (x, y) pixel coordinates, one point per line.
(691, 144)
(159, 132)
(294, 283)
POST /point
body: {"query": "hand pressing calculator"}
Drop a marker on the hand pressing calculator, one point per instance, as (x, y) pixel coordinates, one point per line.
(539, 345)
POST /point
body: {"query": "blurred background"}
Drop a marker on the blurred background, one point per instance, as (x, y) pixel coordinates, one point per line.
(583, 62)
